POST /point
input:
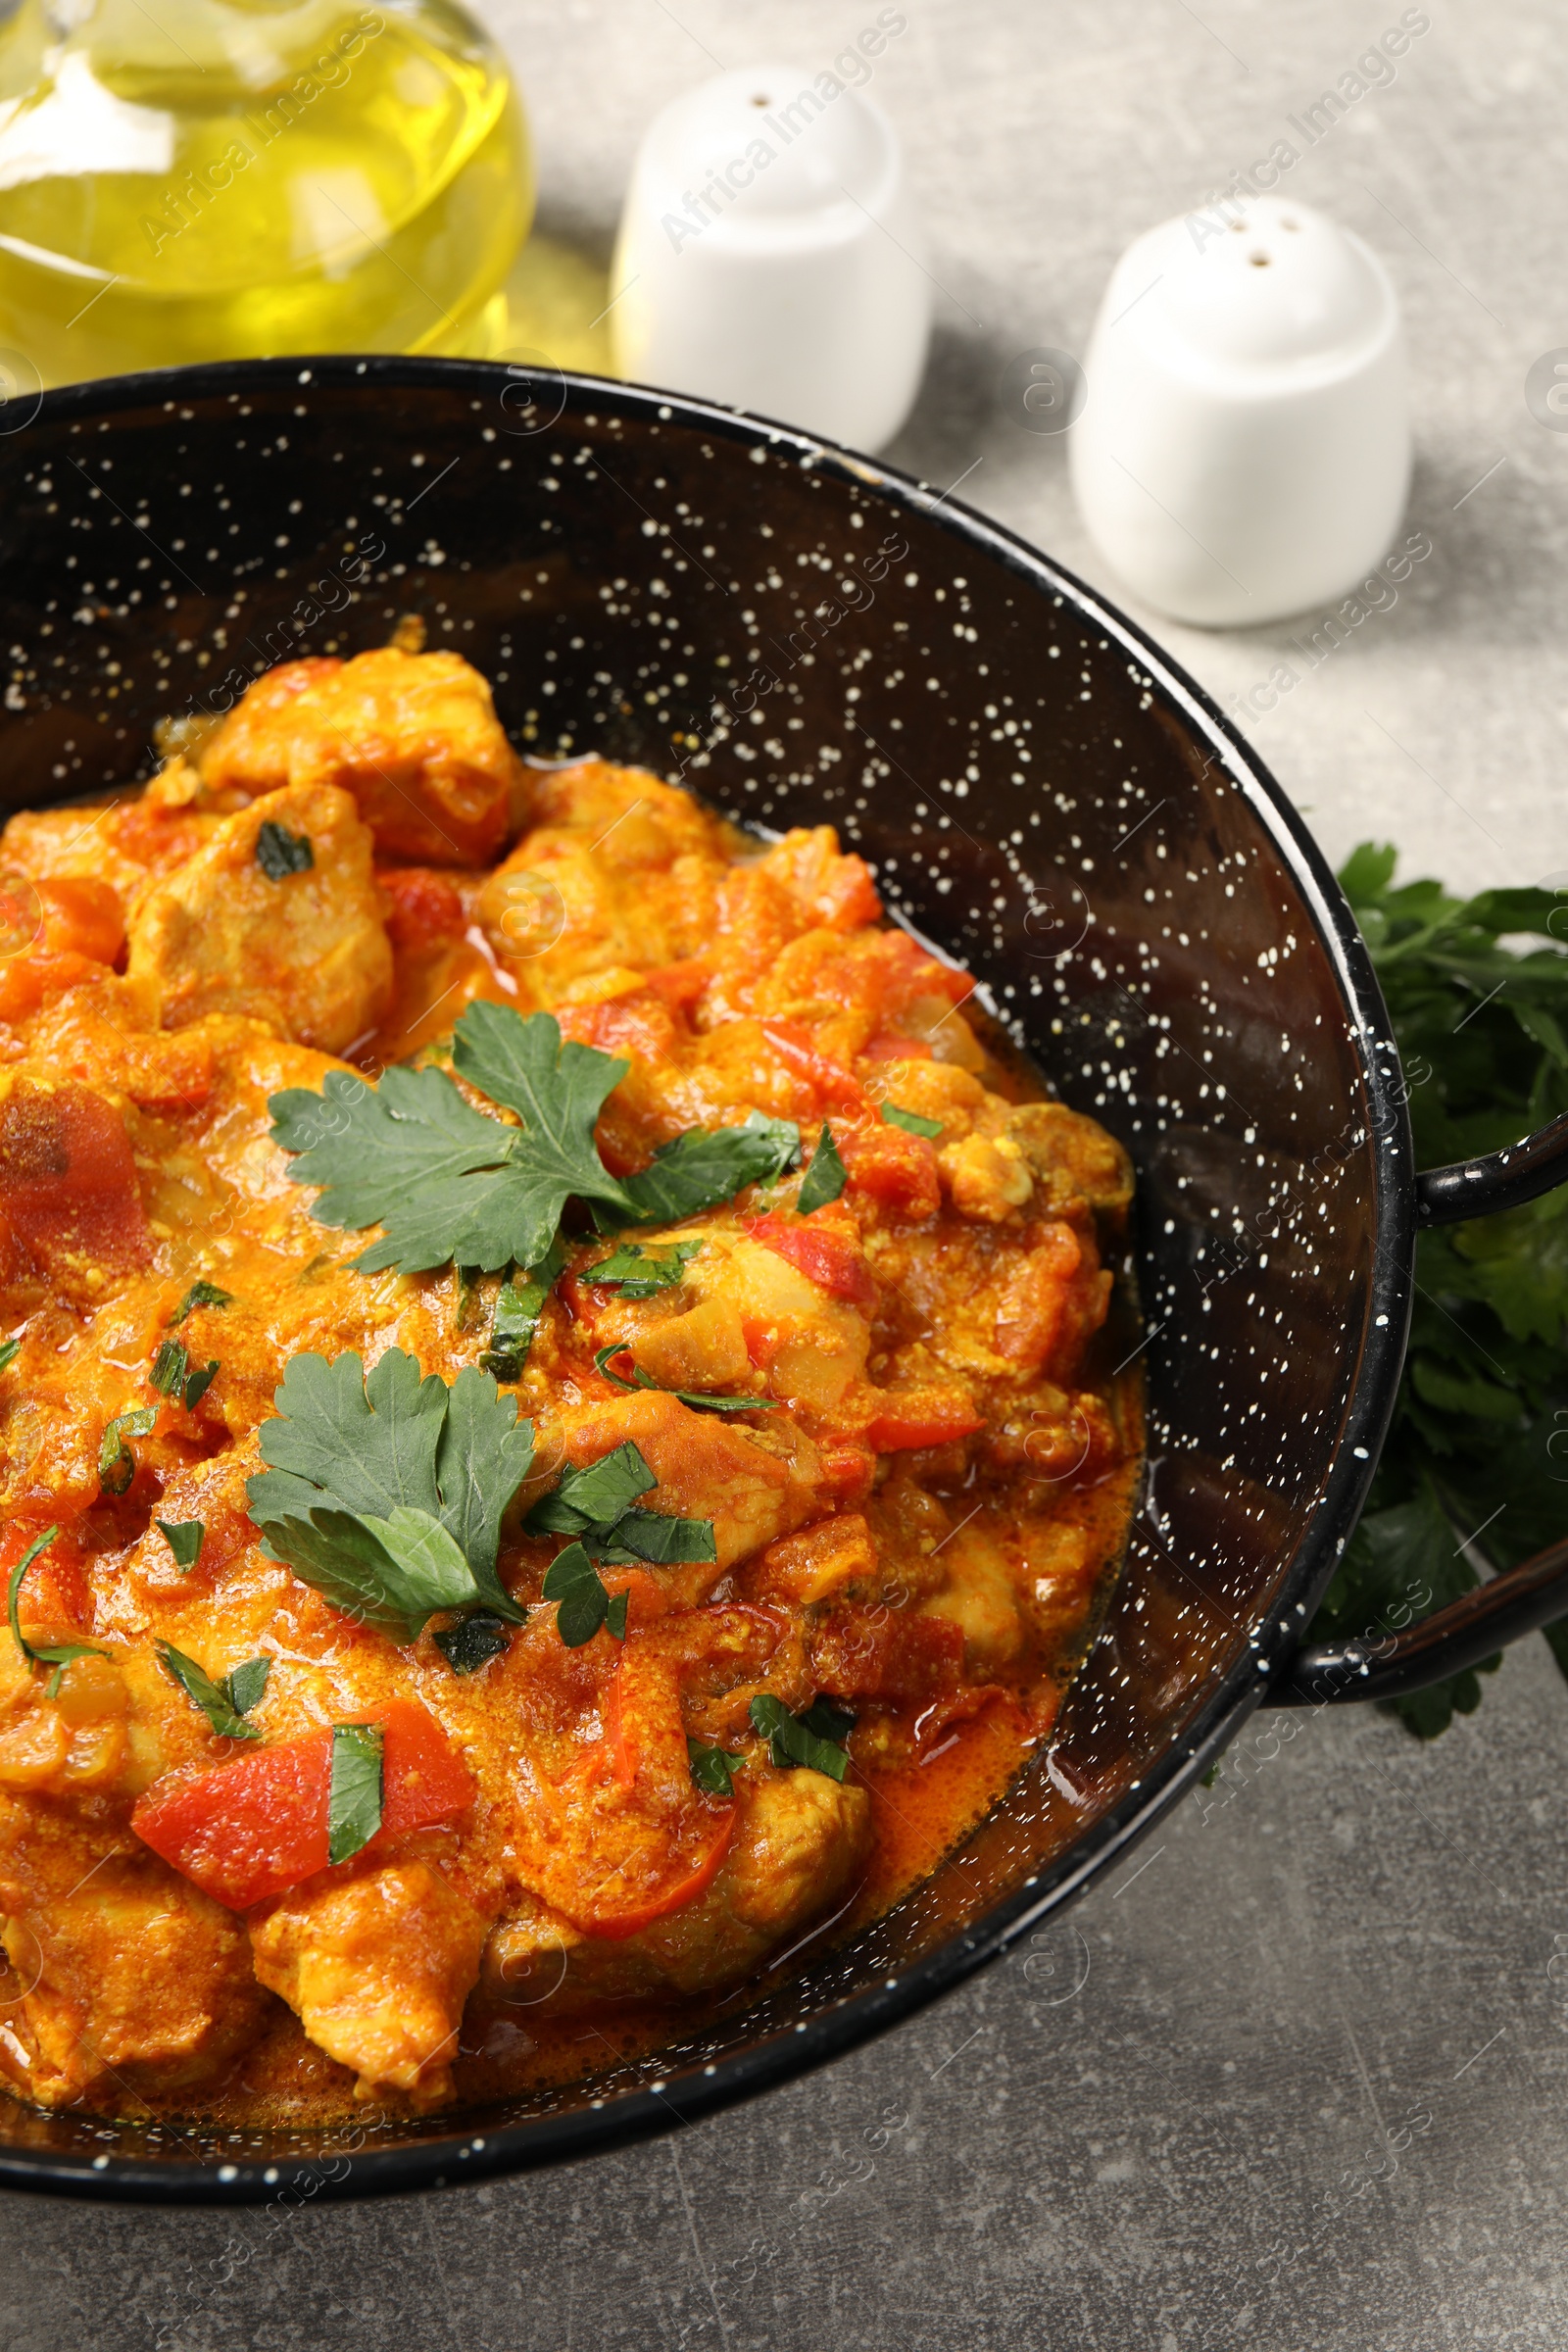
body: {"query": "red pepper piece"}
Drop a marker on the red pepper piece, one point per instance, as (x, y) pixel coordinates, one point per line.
(824, 1254)
(252, 1828)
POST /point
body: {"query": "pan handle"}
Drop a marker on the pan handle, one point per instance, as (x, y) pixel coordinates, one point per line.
(1468, 1630)
(1479, 1187)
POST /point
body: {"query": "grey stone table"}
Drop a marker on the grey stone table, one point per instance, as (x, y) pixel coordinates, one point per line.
(1298, 2076)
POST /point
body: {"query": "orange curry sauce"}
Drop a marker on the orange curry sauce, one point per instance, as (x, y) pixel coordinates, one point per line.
(911, 1523)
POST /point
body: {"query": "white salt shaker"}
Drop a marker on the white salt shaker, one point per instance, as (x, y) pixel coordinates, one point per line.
(1245, 449)
(771, 255)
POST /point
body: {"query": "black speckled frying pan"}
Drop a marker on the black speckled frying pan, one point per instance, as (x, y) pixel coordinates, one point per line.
(803, 637)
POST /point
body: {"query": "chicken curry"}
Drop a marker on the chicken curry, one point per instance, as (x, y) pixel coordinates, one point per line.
(556, 1436)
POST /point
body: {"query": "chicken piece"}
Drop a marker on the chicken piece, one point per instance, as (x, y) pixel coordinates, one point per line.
(640, 825)
(617, 877)
(378, 1967)
(988, 1176)
(798, 1840)
(812, 1343)
(306, 951)
(982, 1597)
(752, 1484)
(105, 1030)
(413, 737)
(1071, 1157)
(830, 886)
(835, 1556)
(132, 1982)
(703, 1348)
(120, 844)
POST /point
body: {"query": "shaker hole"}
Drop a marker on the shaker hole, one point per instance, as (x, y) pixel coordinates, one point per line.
(1260, 261)
(1287, 225)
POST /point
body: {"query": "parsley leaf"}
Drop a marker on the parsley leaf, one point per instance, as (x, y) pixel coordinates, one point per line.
(699, 1402)
(826, 1176)
(909, 1120)
(706, 1166)
(1470, 1462)
(10, 1350)
(815, 1738)
(712, 1768)
(638, 1273)
(386, 1492)
(447, 1183)
(472, 1642)
(185, 1538)
(222, 1703)
(200, 1294)
(412, 1156)
(117, 1464)
(557, 1089)
(354, 1804)
(279, 852)
(58, 1654)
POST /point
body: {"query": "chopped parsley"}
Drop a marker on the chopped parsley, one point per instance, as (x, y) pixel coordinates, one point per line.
(472, 1642)
(575, 1585)
(222, 1703)
(518, 1307)
(699, 1402)
(171, 1375)
(279, 852)
(385, 1492)
(10, 1350)
(712, 1768)
(638, 1273)
(244, 1687)
(909, 1120)
(354, 1804)
(58, 1654)
(596, 1506)
(185, 1538)
(200, 1294)
(815, 1738)
(446, 1182)
(117, 1464)
(826, 1176)
(709, 1164)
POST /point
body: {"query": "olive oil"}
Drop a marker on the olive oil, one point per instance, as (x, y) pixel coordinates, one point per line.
(224, 178)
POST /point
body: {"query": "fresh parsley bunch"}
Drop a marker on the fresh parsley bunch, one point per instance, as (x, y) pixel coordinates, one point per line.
(1478, 1451)
(447, 1183)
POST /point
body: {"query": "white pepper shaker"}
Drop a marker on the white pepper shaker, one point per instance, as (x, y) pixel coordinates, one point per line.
(771, 255)
(1244, 450)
